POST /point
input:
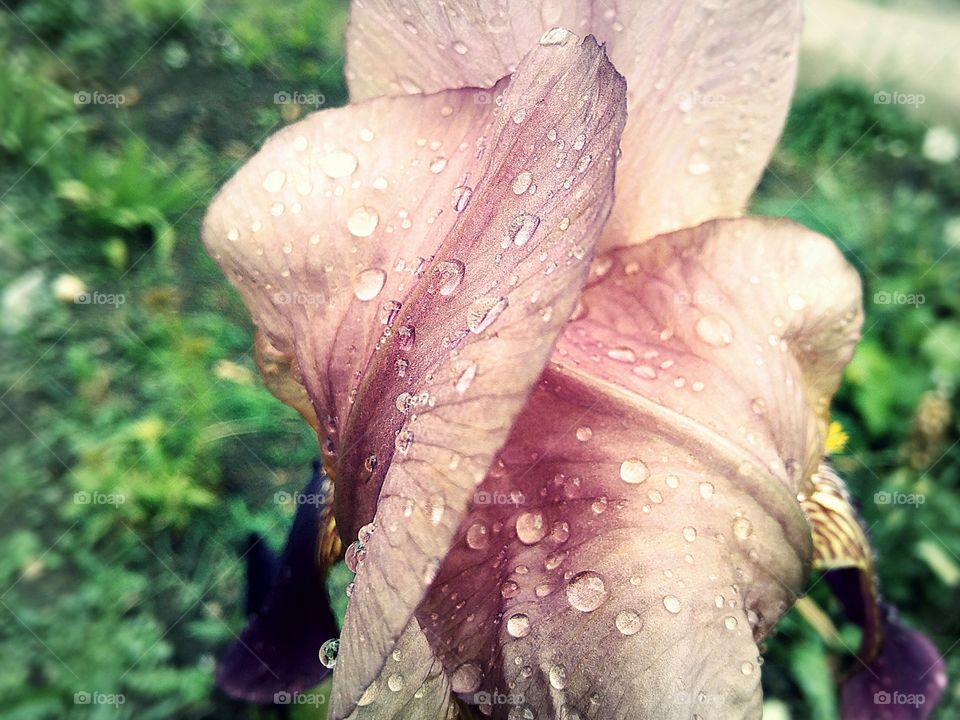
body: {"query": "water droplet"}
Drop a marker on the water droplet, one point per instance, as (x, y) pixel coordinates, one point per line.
(518, 625)
(556, 36)
(758, 405)
(274, 181)
(586, 591)
(509, 589)
(531, 528)
(395, 682)
(584, 433)
(796, 302)
(354, 555)
(672, 481)
(584, 163)
(438, 165)
(558, 677)
(406, 337)
(622, 354)
(746, 667)
(714, 330)
(522, 228)
(484, 312)
(368, 284)
(671, 603)
(478, 537)
(338, 164)
(706, 490)
(521, 182)
(466, 378)
(448, 276)
(698, 165)
(461, 197)
(730, 622)
(689, 534)
(466, 678)
(460, 47)
(329, 651)
(363, 221)
(629, 622)
(742, 528)
(634, 471)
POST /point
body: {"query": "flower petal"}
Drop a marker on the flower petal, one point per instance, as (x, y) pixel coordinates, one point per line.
(900, 675)
(412, 684)
(419, 317)
(632, 544)
(289, 620)
(709, 85)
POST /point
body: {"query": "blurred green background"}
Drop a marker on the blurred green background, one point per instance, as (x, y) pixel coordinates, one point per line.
(139, 446)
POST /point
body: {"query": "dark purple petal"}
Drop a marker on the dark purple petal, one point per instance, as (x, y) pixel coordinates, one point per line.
(904, 682)
(277, 651)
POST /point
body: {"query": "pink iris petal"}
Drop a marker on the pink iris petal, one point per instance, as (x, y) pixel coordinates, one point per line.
(410, 261)
(709, 85)
(631, 545)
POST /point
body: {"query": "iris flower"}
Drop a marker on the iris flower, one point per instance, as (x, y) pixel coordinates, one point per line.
(577, 446)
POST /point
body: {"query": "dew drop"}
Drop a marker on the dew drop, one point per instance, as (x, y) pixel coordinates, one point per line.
(622, 354)
(518, 625)
(742, 528)
(522, 228)
(368, 284)
(634, 471)
(466, 678)
(449, 275)
(556, 36)
(671, 603)
(730, 622)
(329, 651)
(363, 221)
(478, 537)
(274, 181)
(460, 47)
(558, 677)
(629, 622)
(531, 528)
(521, 183)
(461, 197)
(714, 330)
(338, 164)
(586, 591)
(483, 312)
(466, 378)
(706, 490)
(584, 433)
(438, 165)
(689, 533)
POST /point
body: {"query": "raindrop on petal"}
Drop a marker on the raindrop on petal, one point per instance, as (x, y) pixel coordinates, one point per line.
(586, 591)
